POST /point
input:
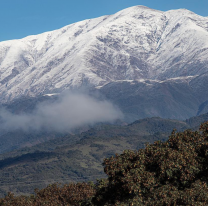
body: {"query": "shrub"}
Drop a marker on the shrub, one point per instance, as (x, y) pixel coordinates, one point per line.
(54, 195)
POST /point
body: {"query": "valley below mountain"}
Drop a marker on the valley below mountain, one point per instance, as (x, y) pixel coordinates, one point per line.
(77, 158)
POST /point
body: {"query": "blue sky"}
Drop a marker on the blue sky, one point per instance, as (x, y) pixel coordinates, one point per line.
(20, 18)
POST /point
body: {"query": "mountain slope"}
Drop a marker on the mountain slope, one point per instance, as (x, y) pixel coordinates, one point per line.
(149, 98)
(133, 44)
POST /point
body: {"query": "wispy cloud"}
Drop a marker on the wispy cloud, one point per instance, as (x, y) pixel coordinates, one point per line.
(70, 111)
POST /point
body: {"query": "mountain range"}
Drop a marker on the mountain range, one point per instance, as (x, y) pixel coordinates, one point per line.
(138, 63)
(147, 62)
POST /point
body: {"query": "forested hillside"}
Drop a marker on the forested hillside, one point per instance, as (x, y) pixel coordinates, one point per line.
(173, 172)
(75, 158)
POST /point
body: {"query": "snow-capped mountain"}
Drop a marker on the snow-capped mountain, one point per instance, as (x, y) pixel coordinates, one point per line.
(137, 43)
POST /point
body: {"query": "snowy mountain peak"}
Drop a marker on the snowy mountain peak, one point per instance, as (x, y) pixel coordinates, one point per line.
(135, 43)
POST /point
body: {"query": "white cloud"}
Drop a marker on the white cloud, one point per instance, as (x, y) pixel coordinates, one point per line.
(70, 111)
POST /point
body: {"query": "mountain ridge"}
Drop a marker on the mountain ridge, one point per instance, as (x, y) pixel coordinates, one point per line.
(97, 51)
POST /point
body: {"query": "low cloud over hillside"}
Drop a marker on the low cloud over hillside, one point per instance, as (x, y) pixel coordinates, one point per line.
(69, 111)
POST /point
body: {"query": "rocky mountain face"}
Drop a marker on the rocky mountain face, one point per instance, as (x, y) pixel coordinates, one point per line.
(148, 62)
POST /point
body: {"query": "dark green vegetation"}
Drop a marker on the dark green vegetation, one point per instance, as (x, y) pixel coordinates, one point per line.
(173, 172)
